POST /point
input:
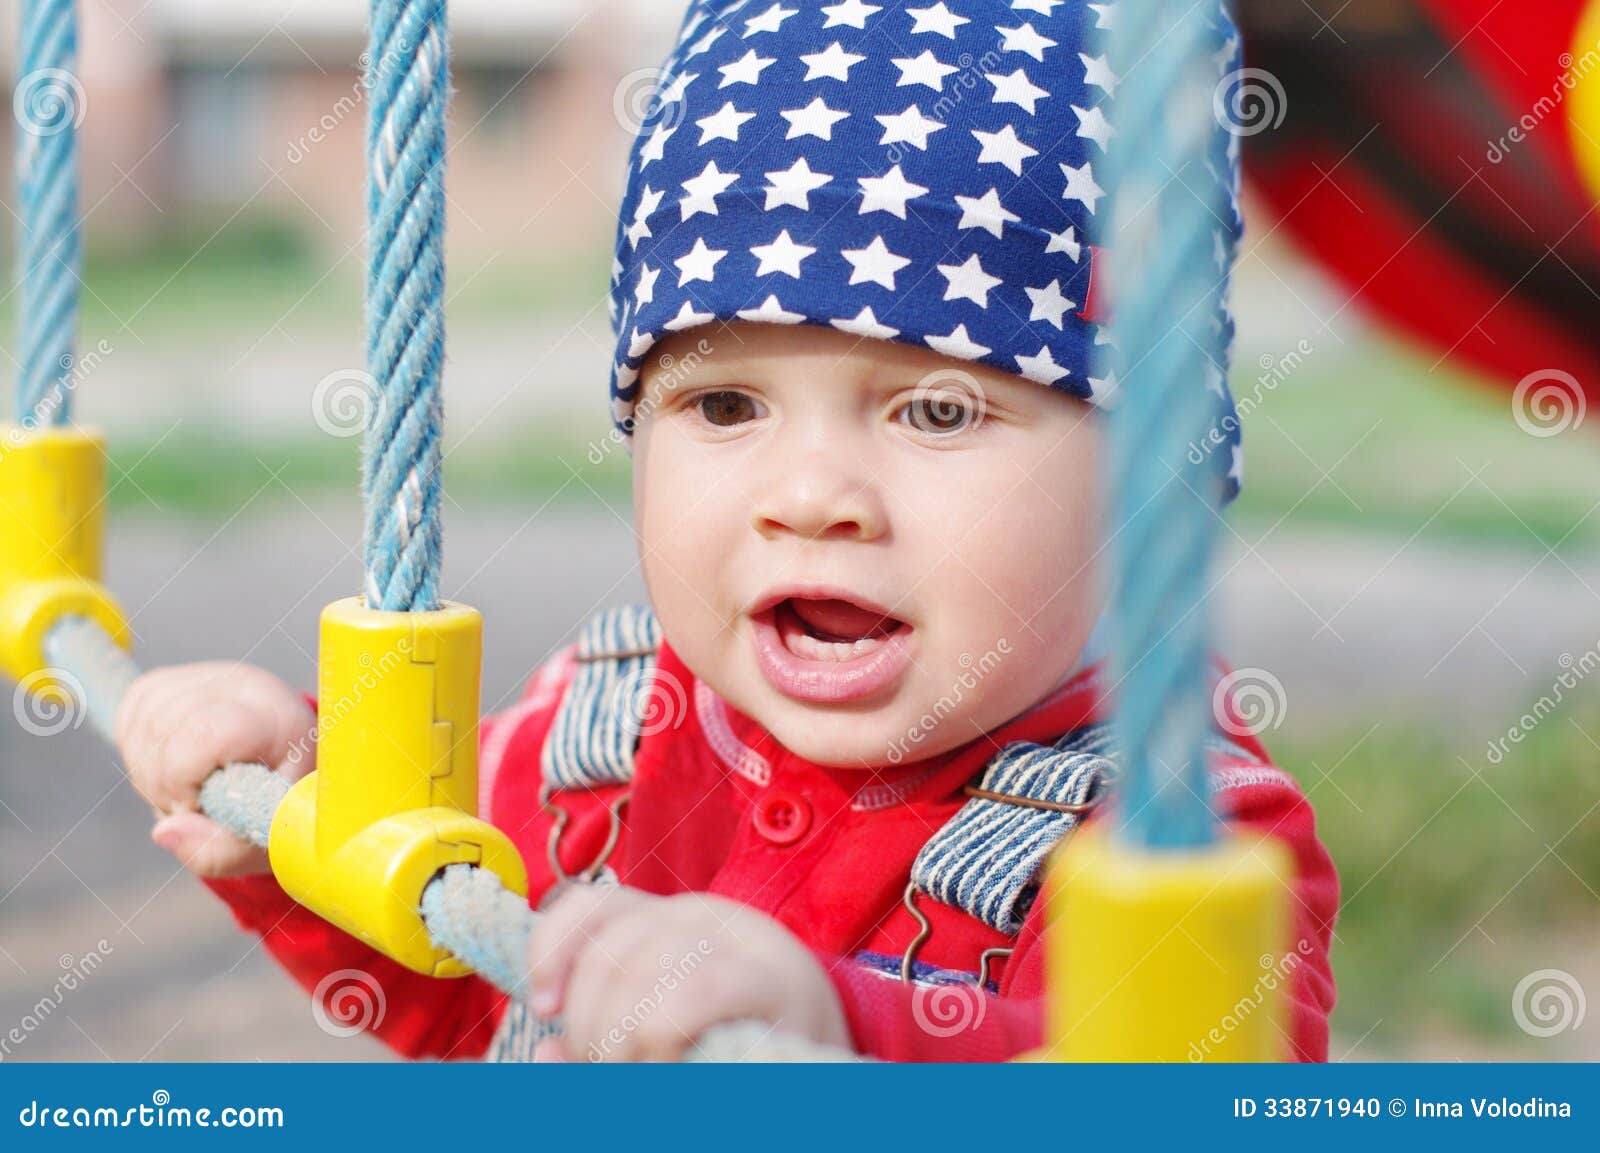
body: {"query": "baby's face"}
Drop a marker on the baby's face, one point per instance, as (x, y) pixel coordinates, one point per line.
(876, 552)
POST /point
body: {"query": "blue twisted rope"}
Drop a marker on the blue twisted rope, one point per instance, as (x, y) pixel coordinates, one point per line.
(1169, 202)
(48, 104)
(408, 81)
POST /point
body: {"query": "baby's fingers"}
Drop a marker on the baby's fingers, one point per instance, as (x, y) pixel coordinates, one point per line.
(566, 927)
(205, 848)
(216, 732)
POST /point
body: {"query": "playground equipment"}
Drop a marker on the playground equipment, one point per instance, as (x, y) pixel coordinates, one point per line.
(1158, 921)
(1441, 160)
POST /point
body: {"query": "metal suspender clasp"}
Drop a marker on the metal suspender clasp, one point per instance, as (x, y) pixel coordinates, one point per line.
(553, 843)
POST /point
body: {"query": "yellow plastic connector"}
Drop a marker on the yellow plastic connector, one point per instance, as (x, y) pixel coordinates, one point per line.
(1167, 956)
(52, 496)
(395, 794)
(1583, 106)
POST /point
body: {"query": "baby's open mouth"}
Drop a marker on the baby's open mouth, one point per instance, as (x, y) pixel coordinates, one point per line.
(819, 648)
(831, 630)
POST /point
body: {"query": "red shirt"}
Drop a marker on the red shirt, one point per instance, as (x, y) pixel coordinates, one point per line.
(718, 806)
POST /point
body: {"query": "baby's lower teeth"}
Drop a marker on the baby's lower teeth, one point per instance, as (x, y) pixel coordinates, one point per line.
(803, 644)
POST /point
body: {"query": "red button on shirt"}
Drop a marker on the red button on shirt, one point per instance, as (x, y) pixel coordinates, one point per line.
(782, 817)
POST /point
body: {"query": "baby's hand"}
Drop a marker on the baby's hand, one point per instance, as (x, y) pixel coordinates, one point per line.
(637, 977)
(176, 725)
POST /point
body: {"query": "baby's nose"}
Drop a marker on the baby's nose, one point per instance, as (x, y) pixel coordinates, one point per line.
(820, 495)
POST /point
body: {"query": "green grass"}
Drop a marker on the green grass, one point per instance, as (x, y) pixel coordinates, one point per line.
(206, 274)
(1411, 449)
(1459, 876)
(207, 473)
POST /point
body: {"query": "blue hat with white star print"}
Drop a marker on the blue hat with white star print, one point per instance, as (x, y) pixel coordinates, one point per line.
(923, 174)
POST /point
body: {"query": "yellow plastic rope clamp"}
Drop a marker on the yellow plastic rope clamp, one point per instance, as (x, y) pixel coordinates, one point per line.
(395, 794)
(1582, 75)
(52, 496)
(1167, 956)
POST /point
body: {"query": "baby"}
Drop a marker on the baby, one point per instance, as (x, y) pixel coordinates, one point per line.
(810, 783)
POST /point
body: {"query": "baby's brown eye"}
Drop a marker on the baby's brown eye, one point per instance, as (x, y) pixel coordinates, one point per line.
(940, 414)
(725, 409)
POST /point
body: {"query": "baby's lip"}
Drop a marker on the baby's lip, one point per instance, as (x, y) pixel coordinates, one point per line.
(820, 592)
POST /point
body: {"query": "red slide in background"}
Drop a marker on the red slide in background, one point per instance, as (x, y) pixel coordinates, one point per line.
(1429, 158)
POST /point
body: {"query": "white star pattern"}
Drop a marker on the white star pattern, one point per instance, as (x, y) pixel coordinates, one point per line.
(1093, 125)
(1003, 147)
(815, 119)
(746, 70)
(770, 312)
(654, 148)
(1104, 390)
(1081, 185)
(874, 264)
(1042, 368)
(1103, 15)
(985, 212)
(1064, 241)
(649, 201)
(674, 91)
(1025, 39)
(937, 19)
(687, 318)
(888, 193)
(794, 185)
(833, 62)
(1043, 7)
(1049, 304)
(704, 189)
(646, 290)
(704, 42)
(865, 323)
(969, 281)
(908, 127)
(640, 343)
(1016, 89)
(781, 255)
(958, 344)
(724, 124)
(925, 69)
(850, 14)
(699, 263)
(1097, 72)
(768, 21)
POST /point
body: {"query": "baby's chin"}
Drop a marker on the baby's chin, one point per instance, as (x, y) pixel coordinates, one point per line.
(862, 738)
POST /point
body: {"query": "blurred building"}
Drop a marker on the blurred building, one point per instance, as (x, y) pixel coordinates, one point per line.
(197, 110)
